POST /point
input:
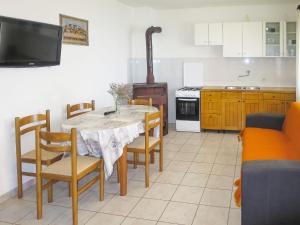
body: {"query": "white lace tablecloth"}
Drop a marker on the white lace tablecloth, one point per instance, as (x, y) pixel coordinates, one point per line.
(106, 136)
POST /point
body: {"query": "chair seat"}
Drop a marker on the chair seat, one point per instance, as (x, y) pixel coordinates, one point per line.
(63, 167)
(46, 156)
(139, 143)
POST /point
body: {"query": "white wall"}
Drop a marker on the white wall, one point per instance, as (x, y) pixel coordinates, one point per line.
(84, 73)
(175, 45)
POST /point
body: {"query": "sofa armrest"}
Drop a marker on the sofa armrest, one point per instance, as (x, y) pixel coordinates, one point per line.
(265, 120)
(270, 193)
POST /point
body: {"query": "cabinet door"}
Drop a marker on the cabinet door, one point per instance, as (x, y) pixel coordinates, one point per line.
(290, 39)
(273, 106)
(231, 114)
(287, 106)
(273, 39)
(210, 102)
(253, 39)
(210, 121)
(249, 107)
(232, 39)
(215, 34)
(210, 107)
(201, 34)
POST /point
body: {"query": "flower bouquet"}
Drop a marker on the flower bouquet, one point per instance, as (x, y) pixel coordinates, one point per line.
(121, 93)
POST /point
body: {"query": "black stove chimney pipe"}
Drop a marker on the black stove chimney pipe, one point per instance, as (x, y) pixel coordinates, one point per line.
(149, 50)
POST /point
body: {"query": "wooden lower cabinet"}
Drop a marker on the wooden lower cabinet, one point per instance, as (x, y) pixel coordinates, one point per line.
(273, 106)
(231, 114)
(211, 121)
(249, 107)
(287, 106)
(288, 99)
(227, 110)
(211, 106)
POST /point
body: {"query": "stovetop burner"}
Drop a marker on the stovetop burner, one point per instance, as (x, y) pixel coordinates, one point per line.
(190, 89)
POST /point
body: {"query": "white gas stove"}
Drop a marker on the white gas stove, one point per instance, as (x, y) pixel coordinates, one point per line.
(188, 109)
(188, 99)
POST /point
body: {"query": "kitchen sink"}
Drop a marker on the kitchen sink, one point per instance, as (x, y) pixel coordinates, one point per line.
(233, 87)
(250, 88)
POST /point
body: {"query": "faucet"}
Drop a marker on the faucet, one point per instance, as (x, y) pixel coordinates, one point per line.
(245, 75)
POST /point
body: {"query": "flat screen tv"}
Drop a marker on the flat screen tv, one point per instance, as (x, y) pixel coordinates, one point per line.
(29, 44)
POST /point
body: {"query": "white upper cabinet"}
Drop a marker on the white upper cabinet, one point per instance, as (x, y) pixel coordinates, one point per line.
(290, 39)
(232, 39)
(243, 39)
(253, 39)
(250, 39)
(201, 34)
(209, 34)
(273, 39)
(215, 34)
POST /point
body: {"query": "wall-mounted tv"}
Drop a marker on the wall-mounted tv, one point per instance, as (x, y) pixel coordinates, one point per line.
(29, 44)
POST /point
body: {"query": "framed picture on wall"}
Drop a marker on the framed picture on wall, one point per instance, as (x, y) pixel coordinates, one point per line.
(75, 30)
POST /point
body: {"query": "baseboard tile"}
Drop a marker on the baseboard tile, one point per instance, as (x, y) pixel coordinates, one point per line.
(13, 192)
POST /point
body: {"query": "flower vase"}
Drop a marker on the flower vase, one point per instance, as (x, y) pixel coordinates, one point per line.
(117, 105)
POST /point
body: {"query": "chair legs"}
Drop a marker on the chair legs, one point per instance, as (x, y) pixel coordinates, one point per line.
(19, 174)
(135, 159)
(75, 202)
(118, 171)
(161, 157)
(39, 197)
(50, 192)
(70, 189)
(73, 190)
(149, 158)
(101, 168)
(152, 157)
(147, 162)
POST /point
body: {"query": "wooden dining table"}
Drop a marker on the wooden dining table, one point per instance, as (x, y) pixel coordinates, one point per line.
(107, 136)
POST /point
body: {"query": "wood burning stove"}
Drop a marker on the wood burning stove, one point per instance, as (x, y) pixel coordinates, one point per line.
(157, 91)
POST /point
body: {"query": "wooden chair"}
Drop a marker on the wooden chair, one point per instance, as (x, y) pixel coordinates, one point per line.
(78, 109)
(140, 101)
(70, 169)
(147, 144)
(26, 125)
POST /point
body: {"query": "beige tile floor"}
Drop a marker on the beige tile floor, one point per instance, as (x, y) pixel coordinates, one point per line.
(196, 188)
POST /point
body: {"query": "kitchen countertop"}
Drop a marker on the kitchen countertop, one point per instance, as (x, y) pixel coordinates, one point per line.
(262, 89)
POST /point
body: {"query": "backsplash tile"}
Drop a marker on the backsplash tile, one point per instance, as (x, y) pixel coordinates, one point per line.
(218, 71)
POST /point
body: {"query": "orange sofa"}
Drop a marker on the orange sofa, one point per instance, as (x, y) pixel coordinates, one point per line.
(269, 188)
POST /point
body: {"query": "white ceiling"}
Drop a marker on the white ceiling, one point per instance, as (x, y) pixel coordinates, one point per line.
(179, 4)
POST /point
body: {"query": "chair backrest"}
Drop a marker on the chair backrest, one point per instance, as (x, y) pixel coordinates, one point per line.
(78, 109)
(153, 120)
(291, 126)
(56, 142)
(28, 124)
(140, 101)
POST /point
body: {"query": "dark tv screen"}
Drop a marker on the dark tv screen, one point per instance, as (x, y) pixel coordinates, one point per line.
(26, 43)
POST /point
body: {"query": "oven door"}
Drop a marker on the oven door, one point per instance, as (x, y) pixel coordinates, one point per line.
(188, 109)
